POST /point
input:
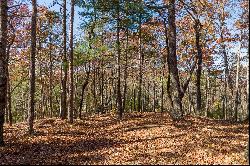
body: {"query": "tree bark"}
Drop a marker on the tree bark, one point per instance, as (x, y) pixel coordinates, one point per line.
(3, 65)
(141, 56)
(32, 68)
(9, 117)
(119, 95)
(236, 100)
(125, 73)
(63, 112)
(50, 73)
(177, 111)
(82, 94)
(197, 28)
(71, 56)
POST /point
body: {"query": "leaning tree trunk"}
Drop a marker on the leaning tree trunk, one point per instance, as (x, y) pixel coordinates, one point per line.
(32, 68)
(82, 93)
(3, 65)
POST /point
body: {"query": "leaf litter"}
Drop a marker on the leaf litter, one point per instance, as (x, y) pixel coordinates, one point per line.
(140, 138)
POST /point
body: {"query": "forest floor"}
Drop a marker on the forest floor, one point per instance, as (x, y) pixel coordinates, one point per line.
(140, 138)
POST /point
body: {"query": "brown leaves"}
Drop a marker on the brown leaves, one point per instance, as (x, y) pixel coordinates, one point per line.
(147, 138)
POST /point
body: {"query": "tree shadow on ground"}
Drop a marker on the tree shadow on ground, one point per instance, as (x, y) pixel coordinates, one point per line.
(50, 153)
(80, 148)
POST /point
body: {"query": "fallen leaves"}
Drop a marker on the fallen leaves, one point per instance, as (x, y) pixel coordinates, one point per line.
(141, 138)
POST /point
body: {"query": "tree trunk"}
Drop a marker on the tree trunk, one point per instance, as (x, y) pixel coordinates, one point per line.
(208, 89)
(177, 94)
(166, 59)
(32, 68)
(9, 117)
(141, 57)
(119, 96)
(162, 90)
(71, 56)
(3, 65)
(50, 73)
(63, 113)
(154, 96)
(84, 85)
(236, 100)
(197, 28)
(9, 110)
(125, 73)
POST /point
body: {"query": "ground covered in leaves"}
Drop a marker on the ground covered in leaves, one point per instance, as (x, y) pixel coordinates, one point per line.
(140, 138)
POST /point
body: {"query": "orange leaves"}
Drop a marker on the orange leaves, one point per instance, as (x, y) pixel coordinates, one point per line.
(141, 138)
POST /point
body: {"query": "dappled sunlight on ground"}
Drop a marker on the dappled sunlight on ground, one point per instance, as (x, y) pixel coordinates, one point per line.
(140, 138)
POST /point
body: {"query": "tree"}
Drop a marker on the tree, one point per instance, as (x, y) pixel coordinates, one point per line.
(63, 113)
(71, 65)
(32, 67)
(177, 94)
(119, 95)
(3, 65)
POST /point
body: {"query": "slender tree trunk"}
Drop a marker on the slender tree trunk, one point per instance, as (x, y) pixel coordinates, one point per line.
(236, 100)
(84, 85)
(248, 93)
(154, 97)
(63, 113)
(9, 117)
(208, 89)
(119, 95)
(162, 90)
(227, 79)
(166, 59)
(32, 68)
(3, 65)
(102, 87)
(71, 56)
(9, 110)
(140, 70)
(50, 74)
(125, 73)
(134, 97)
(94, 88)
(197, 28)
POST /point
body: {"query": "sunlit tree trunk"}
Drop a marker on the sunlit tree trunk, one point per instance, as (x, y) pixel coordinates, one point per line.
(236, 100)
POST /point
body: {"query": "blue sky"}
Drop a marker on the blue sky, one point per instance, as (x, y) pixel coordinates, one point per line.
(56, 7)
